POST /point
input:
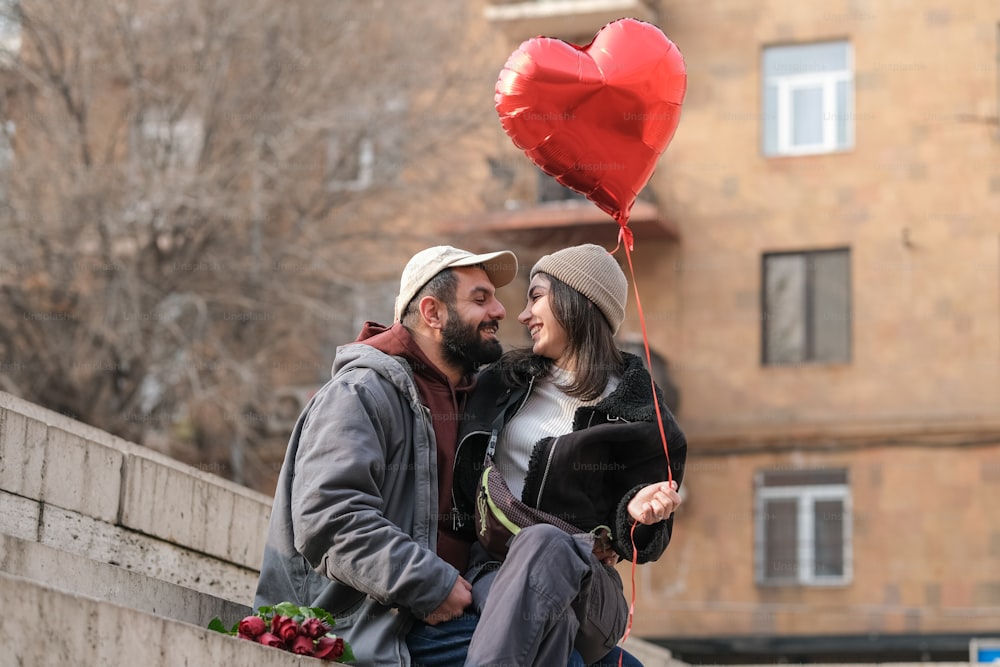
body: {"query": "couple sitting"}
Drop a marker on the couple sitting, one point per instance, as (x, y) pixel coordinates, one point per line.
(383, 514)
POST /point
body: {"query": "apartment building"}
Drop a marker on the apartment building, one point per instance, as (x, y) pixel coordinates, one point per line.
(818, 257)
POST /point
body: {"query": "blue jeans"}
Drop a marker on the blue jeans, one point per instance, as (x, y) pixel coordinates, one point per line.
(446, 645)
(442, 645)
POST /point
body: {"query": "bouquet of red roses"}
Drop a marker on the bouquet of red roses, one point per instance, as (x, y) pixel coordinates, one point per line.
(300, 630)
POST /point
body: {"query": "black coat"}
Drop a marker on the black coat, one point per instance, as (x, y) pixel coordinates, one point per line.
(589, 475)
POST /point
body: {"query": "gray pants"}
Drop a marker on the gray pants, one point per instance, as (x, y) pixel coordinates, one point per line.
(551, 595)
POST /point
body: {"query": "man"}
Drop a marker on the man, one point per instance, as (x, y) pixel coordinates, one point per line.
(361, 522)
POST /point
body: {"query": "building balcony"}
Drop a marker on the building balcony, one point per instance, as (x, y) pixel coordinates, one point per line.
(525, 205)
(564, 222)
(565, 19)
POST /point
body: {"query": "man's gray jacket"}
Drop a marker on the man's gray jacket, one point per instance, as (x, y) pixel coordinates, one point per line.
(353, 528)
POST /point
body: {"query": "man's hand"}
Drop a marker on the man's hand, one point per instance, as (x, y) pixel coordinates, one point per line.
(605, 554)
(654, 503)
(453, 605)
(602, 547)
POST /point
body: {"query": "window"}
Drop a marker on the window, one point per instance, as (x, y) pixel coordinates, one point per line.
(806, 307)
(350, 163)
(167, 141)
(7, 129)
(803, 527)
(808, 98)
(549, 190)
(10, 27)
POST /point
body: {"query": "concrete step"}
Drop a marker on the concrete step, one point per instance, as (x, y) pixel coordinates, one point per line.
(97, 540)
(72, 573)
(79, 489)
(43, 626)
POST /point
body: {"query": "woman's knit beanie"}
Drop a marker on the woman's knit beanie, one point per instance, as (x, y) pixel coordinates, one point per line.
(592, 271)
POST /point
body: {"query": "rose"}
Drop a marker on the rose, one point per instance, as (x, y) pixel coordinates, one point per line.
(267, 639)
(315, 628)
(302, 645)
(252, 627)
(284, 627)
(329, 648)
(300, 630)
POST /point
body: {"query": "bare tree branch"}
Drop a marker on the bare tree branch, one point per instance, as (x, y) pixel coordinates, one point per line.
(182, 215)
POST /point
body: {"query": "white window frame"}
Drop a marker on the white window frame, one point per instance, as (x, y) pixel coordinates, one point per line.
(787, 84)
(806, 497)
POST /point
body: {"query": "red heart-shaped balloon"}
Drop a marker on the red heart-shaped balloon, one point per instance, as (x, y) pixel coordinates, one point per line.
(595, 117)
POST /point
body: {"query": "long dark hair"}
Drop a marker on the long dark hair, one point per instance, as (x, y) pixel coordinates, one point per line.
(590, 343)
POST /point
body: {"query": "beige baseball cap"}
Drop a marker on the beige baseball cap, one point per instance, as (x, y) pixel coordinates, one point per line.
(501, 267)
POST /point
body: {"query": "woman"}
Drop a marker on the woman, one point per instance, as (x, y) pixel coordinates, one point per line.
(571, 424)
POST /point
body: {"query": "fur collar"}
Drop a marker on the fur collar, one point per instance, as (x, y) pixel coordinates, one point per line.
(631, 401)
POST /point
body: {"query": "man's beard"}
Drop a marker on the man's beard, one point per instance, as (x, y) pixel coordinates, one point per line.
(463, 346)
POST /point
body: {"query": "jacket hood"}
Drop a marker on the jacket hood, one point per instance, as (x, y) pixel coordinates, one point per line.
(370, 329)
(394, 369)
(398, 342)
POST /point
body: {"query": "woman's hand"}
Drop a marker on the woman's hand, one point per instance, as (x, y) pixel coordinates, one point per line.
(654, 503)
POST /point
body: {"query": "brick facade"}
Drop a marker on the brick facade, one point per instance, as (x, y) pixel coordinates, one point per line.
(913, 415)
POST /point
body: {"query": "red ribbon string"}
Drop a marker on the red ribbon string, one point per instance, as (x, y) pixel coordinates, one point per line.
(626, 239)
(631, 604)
